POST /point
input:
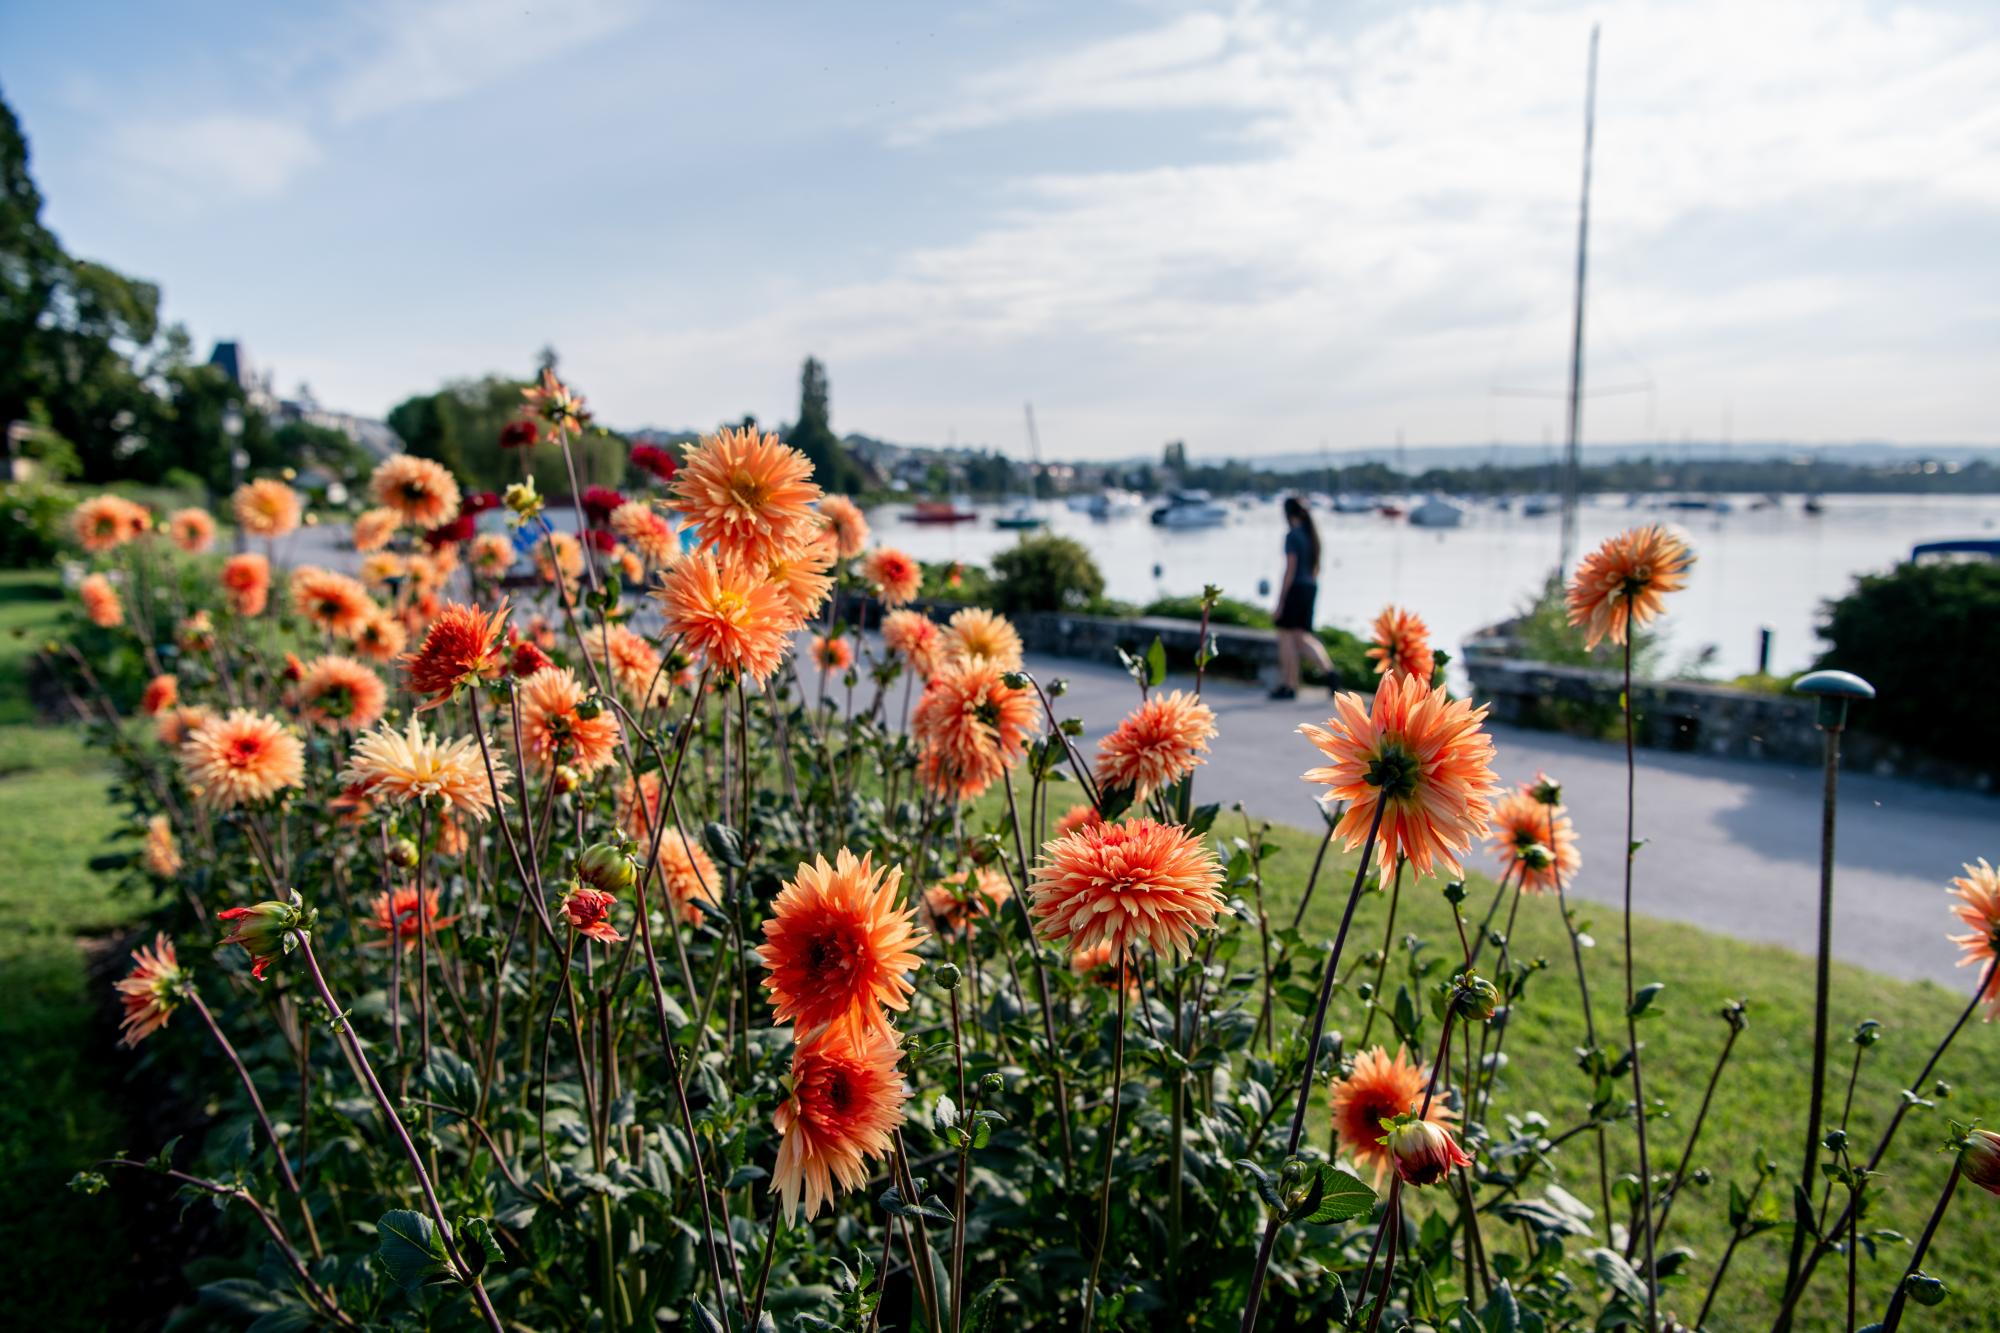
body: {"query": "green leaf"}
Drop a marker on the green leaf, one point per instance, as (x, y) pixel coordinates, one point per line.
(724, 843)
(1614, 1272)
(944, 1115)
(1643, 1000)
(1502, 1313)
(705, 1320)
(453, 1080)
(1156, 662)
(979, 1315)
(1342, 1196)
(411, 1250)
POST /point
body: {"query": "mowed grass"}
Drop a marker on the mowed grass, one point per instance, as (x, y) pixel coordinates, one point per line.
(59, 1113)
(1760, 1106)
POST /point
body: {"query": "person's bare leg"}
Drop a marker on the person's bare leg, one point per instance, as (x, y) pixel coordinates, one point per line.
(1288, 659)
(1317, 651)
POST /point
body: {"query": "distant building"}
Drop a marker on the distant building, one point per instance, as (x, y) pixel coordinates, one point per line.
(259, 393)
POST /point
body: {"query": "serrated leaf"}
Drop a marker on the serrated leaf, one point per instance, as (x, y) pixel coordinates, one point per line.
(1342, 1196)
(411, 1250)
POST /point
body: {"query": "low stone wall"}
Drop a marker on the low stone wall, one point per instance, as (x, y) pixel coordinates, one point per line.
(1692, 717)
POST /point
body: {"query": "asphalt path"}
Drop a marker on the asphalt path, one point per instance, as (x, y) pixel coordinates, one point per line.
(1732, 845)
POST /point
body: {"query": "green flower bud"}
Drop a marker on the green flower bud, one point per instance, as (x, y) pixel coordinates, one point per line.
(606, 868)
(946, 976)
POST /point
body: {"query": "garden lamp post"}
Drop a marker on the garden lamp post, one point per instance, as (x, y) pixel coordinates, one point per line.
(232, 435)
(1834, 690)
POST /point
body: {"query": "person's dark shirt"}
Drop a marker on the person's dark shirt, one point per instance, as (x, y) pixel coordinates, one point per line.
(1299, 547)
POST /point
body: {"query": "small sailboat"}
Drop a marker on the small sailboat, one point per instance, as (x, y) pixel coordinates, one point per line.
(1019, 517)
(1436, 512)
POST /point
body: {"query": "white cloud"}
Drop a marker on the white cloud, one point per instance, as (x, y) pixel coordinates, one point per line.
(406, 54)
(217, 156)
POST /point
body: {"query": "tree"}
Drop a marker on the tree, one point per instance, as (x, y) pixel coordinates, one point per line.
(1174, 457)
(459, 426)
(812, 434)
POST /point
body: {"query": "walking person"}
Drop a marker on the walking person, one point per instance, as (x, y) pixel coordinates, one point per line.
(1297, 592)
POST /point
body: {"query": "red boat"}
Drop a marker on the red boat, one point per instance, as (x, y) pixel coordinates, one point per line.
(940, 511)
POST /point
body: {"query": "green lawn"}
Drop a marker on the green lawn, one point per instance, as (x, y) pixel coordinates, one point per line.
(1759, 1109)
(60, 1112)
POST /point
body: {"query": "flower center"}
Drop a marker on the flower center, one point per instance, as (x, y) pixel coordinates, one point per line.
(1394, 772)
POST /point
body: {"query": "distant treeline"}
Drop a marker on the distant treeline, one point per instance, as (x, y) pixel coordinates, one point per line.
(1781, 476)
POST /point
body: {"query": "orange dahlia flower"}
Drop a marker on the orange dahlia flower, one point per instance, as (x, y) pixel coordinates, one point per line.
(1521, 822)
(374, 527)
(241, 759)
(162, 691)
(951, 908)
(404, 916)
(191, 529)
(334, 602)
(561, 726)
(1402, 645)
(914, 637)
(747, 492)
(151, 991)
(845, 1104)
(1159, 743)
(1080, 816)
(246, 580)
(895, 575)
(1423, 753)
(837, 951)
(552, 402)
(460, 649)
(833, 653)
(100, 602)
(175, 725)
(725, 615)
(559, 553)
(419, 491)
(647, 529)
(266, 508)
(634, 664)
(106, 521)
(414, 766)
(1098, 964)
(689, 874)
(491, 555)
(1623, 583)
(1127, 884)
(975, 634)
(1423, 1151)
(1378, 1090)
(1978, 894)
(339, 692)
(971, 727)
(380, 638)
(163, 856)
(844, 519)
(801, 575)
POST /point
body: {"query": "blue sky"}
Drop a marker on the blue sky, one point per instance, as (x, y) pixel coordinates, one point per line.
(1254, 226)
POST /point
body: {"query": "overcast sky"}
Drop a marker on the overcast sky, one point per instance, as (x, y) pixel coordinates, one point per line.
(1257, 227)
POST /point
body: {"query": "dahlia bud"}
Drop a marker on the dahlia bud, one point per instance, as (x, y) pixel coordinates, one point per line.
(605, 868)
(265, 930)
(1477, 998)
(1545, 790)
(1423, 1153)
(1536, 857)
(295, 670)
(528, 659)
(1979, 1156)
(403, 853)
(566, 779)
(589, 912)
(946, 976)
(588, 708)
(523, 499)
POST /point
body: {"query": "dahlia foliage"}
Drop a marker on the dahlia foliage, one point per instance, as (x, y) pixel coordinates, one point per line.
(683, 925)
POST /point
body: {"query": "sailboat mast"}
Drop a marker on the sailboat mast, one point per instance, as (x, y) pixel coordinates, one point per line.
(1573, 461)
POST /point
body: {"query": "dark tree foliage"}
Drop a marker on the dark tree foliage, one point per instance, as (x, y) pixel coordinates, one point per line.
(1045, 573)
(460, 425)
(1924, 634)
(812, 434)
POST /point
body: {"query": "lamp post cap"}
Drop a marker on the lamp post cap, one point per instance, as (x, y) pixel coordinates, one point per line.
(1834, 685)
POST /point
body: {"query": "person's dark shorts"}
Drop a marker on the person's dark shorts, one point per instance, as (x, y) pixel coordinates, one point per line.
(1296, 612)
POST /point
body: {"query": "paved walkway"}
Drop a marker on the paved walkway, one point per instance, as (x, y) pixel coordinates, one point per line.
(1735, 844)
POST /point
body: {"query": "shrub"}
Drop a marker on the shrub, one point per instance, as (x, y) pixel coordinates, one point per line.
(1911, 631)
(1045, 573)
(1226, 611)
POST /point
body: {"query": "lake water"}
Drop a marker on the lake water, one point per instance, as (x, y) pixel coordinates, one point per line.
(1770, 568)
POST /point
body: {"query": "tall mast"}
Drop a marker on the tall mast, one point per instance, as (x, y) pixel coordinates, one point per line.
(1573, 459)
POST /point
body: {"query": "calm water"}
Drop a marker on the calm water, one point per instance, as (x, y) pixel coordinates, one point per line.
(1770, 568)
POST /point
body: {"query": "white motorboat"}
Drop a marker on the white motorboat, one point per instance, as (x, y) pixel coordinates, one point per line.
(1190, 509)
(1437, 512)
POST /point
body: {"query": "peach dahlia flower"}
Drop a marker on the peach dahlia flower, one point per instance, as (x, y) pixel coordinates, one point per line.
(1141, 882)
(241, 759)
(1159, 743)
(749, 493)
(266, 508)
(1402, 645)
(1378, 1090)
(837, 949)
(846, 1100)
(1624, 582)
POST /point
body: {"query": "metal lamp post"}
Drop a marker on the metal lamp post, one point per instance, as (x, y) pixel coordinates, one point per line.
(232, 434)
(1834, 690)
